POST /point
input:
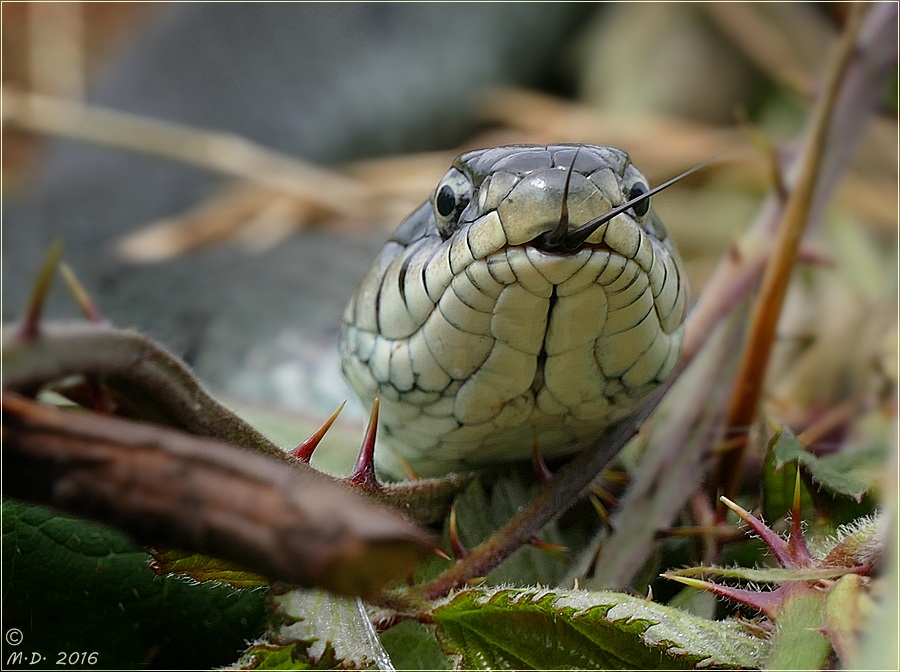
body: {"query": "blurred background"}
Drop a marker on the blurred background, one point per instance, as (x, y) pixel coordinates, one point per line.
(222, 174)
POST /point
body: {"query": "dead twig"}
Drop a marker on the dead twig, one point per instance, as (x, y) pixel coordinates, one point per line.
(169, 488)
(220, 152)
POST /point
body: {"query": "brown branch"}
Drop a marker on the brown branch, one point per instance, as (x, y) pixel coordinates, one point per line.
(143, 373)
(169, 488)
(151, 384)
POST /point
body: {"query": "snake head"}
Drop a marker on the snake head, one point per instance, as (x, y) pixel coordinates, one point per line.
(556, 198)
(533, 299)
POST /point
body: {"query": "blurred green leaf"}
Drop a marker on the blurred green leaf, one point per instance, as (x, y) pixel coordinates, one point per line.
(850, 473)
(482, 510)
(72, 585)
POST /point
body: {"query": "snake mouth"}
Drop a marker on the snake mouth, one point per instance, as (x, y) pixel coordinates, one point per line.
(562, 239)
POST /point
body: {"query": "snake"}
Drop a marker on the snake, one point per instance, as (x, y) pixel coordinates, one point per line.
(531, 301)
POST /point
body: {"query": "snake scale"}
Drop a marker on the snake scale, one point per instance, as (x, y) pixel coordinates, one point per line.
(507, 313)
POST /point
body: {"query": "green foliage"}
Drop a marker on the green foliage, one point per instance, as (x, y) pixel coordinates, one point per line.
(71, 585)
(293, 656)
(412, 646)
(335, 627)
(798, 643)
(536, 629)
(203, 568)
(848, 472)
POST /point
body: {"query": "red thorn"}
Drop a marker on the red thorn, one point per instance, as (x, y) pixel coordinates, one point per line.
(768, 602)
(604, 495)
(796, 543)
(546, 546)
(364, 471)
(304, 450)
(601, 511)
(456, 545)
(29, 330)
(438, 552)
(82, 298)
(776, 544)
(541, 472)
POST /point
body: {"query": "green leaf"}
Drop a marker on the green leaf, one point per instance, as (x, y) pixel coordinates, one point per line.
(778, 489)
(413, 646)
(852, 472)
(293, 656)
(536, 629)
(327, 621)
(72, 585)
(203, 568)
(798, 642)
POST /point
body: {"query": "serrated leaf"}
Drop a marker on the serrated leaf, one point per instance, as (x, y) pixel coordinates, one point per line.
(851, 473)
(73, 585)
(413, 646)
(293, 656)
(328, 621)
(537, 629)
(203, 568)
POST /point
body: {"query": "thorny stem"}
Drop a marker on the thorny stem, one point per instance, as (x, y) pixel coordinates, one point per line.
(172, 488)
(557, 496)
(154, 385)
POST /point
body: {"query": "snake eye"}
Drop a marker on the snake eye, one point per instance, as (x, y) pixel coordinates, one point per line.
(637, 190)
(450, 198)
(445, 201)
